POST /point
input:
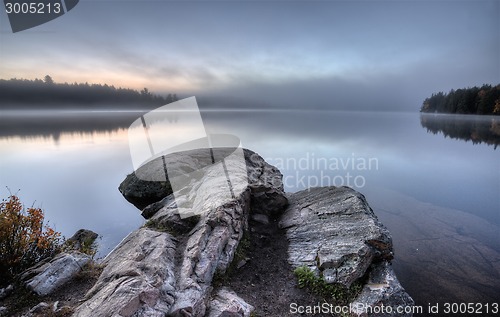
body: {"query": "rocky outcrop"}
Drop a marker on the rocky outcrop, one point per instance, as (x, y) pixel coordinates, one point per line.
(208, 248)
(192, 234)
(335, 233)
(45, 278)
(151, 195)
(138, 278)
(169, 266)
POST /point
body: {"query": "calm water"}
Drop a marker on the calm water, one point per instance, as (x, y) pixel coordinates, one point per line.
(71, 163)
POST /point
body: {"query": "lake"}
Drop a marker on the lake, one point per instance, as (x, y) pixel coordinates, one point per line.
(433, 180)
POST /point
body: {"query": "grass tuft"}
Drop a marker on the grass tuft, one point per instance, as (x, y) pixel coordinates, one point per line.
(340, 294)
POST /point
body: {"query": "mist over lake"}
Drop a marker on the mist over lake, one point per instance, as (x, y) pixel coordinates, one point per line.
(422, 185)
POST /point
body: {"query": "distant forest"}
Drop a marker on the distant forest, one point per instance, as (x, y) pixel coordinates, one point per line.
(483, 100)
(15, 93)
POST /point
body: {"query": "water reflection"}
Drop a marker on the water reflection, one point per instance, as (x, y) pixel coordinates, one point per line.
(478, 129)
(72, 164)
(52, 124)
(72, 176)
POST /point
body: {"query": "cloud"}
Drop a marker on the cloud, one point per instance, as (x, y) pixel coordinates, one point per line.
(296, 51)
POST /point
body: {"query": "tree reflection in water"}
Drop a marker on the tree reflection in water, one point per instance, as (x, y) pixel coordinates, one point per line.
(477, 129)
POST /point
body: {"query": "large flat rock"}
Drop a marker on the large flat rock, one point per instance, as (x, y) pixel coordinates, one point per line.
(334, 232)
(47, 277)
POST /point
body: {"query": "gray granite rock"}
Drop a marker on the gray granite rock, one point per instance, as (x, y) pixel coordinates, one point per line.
(150, 196)
(382, 290)
(142, 193)
(46, 277)
(138, 280)
(225, 302)
(265, 181)
(190, 246)
(334, 232)
(192, 233)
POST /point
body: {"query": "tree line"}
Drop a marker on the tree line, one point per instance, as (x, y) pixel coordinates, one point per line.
(484, 100)
(33, 92)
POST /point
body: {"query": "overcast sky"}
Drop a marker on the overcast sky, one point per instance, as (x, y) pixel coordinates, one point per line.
(377, 55)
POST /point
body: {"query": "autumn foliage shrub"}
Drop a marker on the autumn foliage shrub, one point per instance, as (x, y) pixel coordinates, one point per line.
(24, 238)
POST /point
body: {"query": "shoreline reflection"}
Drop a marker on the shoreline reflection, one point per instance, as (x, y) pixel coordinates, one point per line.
(477, 129)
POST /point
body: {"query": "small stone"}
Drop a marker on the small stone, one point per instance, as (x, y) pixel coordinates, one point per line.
(82, 238)
(55, 306)
(260, 218)
(64, 310)
(241, 263)
(39, 308)
(382, 289)
(4, 292)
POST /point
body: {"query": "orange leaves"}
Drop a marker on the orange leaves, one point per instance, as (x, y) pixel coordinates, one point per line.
(24, 239)
(496, 110)
(48, 238)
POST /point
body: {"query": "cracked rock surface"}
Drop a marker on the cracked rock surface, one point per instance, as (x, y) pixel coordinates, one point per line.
(334, 232)
(138, 278)
(167, 268)
(47, 277)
